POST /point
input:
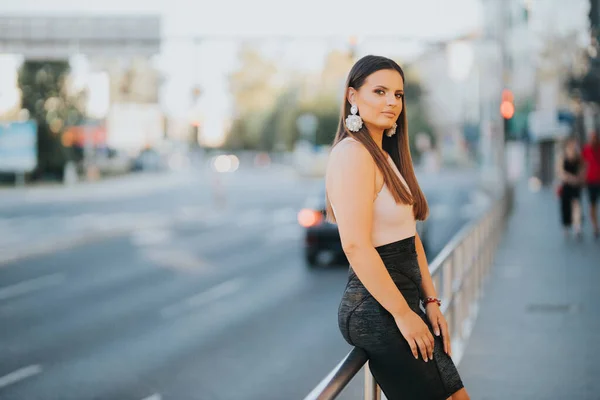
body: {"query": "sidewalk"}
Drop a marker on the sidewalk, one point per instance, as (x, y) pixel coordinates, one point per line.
(537, 335)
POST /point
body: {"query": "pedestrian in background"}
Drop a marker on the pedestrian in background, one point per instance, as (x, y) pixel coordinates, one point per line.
(591, 158)
(570, 173)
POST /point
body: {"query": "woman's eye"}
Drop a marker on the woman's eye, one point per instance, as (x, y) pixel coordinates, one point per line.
(400, 95)
(379, 91)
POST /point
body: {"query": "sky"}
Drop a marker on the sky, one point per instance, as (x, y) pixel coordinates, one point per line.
(301, 33)
(258, 17)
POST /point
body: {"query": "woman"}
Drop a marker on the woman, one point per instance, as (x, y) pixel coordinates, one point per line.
(570, 175)
(375, 199)
(591, 156)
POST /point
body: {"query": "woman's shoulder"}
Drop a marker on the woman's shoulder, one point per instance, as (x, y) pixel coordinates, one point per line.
(350, 151)
(349, 146)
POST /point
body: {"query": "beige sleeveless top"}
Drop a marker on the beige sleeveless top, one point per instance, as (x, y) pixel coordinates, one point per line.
(391, 222)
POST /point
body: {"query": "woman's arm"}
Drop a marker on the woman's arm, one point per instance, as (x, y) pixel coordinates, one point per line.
(426, 281)
(350, 186)
(560, 171)
(584, 166)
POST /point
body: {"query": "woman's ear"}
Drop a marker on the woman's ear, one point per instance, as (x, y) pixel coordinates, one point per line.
(351, 96)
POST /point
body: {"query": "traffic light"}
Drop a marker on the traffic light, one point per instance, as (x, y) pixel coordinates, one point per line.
(507, 110)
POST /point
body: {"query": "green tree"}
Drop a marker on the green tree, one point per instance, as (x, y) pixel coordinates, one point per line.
(280, 129)
(42, 85)
(255, 92)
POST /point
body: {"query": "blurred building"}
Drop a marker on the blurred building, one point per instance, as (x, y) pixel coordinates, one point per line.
(111, 61)
(561, 33)
(528, 47)
(444, 103)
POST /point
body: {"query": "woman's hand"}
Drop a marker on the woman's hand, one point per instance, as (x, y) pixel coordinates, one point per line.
(439, 324)
(417, 334)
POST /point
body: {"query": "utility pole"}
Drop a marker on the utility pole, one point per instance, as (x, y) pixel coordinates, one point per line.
(594, 17)
(504, 7)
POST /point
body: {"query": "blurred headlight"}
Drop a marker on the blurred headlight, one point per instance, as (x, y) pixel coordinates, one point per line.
(226, 163)
(308, 217)
(222, 163)
(235, 163)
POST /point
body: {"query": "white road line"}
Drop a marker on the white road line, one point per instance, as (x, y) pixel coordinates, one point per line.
(19, 375)
(30, 285)
(216, 219)
(209, 241)
(215, 293)
(176, 259)
(155, 396)
(148, 237)
(191, 214)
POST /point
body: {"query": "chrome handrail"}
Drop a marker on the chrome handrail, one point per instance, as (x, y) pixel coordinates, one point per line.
(332, 385)
(458, 273)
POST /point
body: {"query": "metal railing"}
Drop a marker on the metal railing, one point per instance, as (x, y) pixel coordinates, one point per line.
(458, 273)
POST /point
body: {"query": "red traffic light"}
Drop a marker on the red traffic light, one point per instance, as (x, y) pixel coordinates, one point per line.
(507, 109)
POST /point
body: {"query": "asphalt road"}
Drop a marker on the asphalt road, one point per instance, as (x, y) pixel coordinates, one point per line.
(217, 306)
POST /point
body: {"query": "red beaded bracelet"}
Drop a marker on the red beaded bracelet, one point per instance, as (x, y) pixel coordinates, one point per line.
(432, 300)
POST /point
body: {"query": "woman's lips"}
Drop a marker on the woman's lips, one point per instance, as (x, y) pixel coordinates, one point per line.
(389, 114)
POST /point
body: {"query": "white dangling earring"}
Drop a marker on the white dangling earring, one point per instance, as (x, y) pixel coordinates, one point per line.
(354, 122)
(392, 131)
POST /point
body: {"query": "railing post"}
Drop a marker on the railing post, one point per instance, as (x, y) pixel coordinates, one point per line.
(479, 262)
(447, 279)
(459, 294)
(372, 391)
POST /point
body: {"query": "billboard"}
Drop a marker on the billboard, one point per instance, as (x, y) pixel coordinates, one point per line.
(18, 146)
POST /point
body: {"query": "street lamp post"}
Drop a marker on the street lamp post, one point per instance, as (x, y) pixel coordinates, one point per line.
(460, 65)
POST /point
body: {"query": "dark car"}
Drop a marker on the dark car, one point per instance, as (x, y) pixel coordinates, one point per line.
(322, 245)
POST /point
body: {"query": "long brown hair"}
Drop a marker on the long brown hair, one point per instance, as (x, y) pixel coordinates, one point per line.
(396, 146)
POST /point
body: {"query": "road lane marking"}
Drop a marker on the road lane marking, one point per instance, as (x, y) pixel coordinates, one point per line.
(19, 375)
(155, 396)
(216, 219)
(215, 293)
(149, 237)
(210, 242)
(31, 285)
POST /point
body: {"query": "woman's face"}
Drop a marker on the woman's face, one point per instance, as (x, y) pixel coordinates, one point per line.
(379, 99)
(571, 149)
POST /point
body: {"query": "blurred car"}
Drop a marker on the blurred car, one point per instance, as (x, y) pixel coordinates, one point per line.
(113, 162)
(149, 159)
(322, 244)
